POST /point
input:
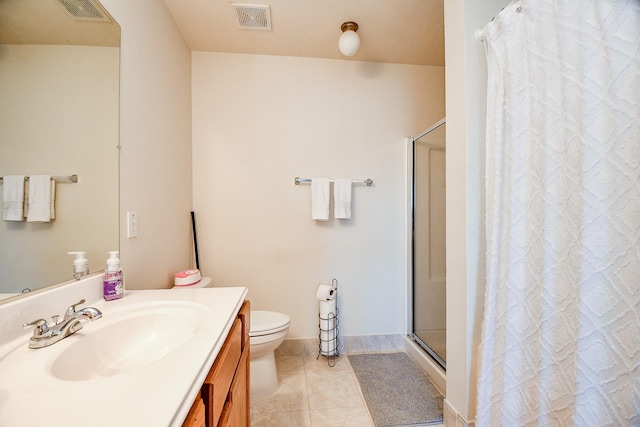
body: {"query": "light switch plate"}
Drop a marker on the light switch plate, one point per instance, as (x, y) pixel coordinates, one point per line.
(132, 224)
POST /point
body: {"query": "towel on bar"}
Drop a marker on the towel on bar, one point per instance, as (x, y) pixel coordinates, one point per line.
(39, 198)
(13, 197)
(342, 198)
(320, 194)
(25, 205)
(52, 199)
(25, 210)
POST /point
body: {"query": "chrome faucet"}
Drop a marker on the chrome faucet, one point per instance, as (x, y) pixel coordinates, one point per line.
(45, 334)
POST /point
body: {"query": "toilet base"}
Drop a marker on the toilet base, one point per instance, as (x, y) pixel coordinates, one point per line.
(263, 376)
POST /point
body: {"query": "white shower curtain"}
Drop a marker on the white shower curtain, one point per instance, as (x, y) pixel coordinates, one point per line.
(561, 329)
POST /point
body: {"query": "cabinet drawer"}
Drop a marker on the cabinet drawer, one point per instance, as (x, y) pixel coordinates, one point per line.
(239, 394)
(226, 418)
(196, 415)
(245, 317)
(216, 386)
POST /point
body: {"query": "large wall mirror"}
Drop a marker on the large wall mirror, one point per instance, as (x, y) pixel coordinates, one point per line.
(59, 116)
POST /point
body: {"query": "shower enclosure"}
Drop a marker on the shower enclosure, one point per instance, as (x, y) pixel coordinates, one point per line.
(428, 250)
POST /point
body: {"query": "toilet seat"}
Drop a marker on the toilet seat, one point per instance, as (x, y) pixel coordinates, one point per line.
(267, 322)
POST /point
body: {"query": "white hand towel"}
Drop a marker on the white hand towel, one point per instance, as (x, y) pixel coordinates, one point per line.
(13, 197)
(52, 199)
(342, 198)
(25, 205)
(320, 194)
(39, 198)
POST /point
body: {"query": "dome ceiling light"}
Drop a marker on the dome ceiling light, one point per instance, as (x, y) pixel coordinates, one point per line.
(349, 42)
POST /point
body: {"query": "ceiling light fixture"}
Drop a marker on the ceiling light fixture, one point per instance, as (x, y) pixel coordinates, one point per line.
(349, 42)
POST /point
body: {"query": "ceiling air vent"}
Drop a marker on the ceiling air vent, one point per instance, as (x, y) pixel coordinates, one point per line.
(252, 16)
(86, 10)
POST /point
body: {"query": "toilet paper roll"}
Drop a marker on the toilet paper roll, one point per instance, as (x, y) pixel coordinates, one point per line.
(326, 293)
(328, 325)
(328, 309)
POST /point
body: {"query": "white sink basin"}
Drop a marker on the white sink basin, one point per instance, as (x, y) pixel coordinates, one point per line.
(124, 340)
(134, 339)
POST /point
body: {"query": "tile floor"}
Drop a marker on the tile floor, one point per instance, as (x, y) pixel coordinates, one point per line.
(312, 394)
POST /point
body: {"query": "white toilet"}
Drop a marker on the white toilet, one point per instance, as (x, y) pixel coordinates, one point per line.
(268, 329)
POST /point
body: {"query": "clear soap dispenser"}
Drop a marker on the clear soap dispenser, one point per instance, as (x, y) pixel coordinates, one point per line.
(113, 283)
(80, 265)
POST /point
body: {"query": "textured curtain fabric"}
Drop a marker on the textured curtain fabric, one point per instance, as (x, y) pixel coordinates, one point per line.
(561, 329)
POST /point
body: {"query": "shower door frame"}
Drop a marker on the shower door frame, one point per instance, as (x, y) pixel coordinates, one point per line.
(412, 249)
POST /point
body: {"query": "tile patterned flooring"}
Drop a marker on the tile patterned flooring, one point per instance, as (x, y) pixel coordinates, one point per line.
(312, 394)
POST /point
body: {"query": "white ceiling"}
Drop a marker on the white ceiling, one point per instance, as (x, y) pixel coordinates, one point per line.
(392, 31)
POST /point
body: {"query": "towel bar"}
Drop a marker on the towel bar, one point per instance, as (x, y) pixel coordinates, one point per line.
(72, 178)
(299, 181)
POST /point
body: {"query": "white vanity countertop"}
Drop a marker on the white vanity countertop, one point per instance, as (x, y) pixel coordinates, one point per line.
(159, 394)
(5, 296)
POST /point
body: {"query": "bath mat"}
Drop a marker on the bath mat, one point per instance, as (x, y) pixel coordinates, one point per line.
(396, 390)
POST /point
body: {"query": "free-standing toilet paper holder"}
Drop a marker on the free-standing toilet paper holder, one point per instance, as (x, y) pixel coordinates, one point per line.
(328, 325)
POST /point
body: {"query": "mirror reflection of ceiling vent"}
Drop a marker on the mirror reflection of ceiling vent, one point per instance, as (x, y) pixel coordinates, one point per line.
(86, 10)
(253, 17)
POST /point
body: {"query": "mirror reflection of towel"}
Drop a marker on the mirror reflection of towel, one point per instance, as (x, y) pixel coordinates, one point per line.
(39, 198)
(52, 199)
(12, 197)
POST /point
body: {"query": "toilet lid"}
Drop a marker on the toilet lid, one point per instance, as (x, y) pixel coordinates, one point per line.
(267, 322)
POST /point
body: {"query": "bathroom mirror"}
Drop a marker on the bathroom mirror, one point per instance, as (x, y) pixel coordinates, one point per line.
(59, 116)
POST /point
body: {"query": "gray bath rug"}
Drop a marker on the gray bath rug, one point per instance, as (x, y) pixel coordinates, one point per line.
(396, 390)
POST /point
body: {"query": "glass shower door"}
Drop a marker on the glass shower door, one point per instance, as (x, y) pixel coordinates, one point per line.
(429, 248)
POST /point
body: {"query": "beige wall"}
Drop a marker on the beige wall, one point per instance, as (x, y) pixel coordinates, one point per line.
(466, 111)
(259, 121)
(155, 135)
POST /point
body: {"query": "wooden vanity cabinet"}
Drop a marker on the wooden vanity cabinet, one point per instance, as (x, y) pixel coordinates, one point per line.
(224, 396)
(196, 416)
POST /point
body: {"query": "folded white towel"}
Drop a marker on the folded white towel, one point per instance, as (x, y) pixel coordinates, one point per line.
(342, 198)
(320, 194)
(52, 199)
(25, 205)
(12, 197)
(39, 198)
